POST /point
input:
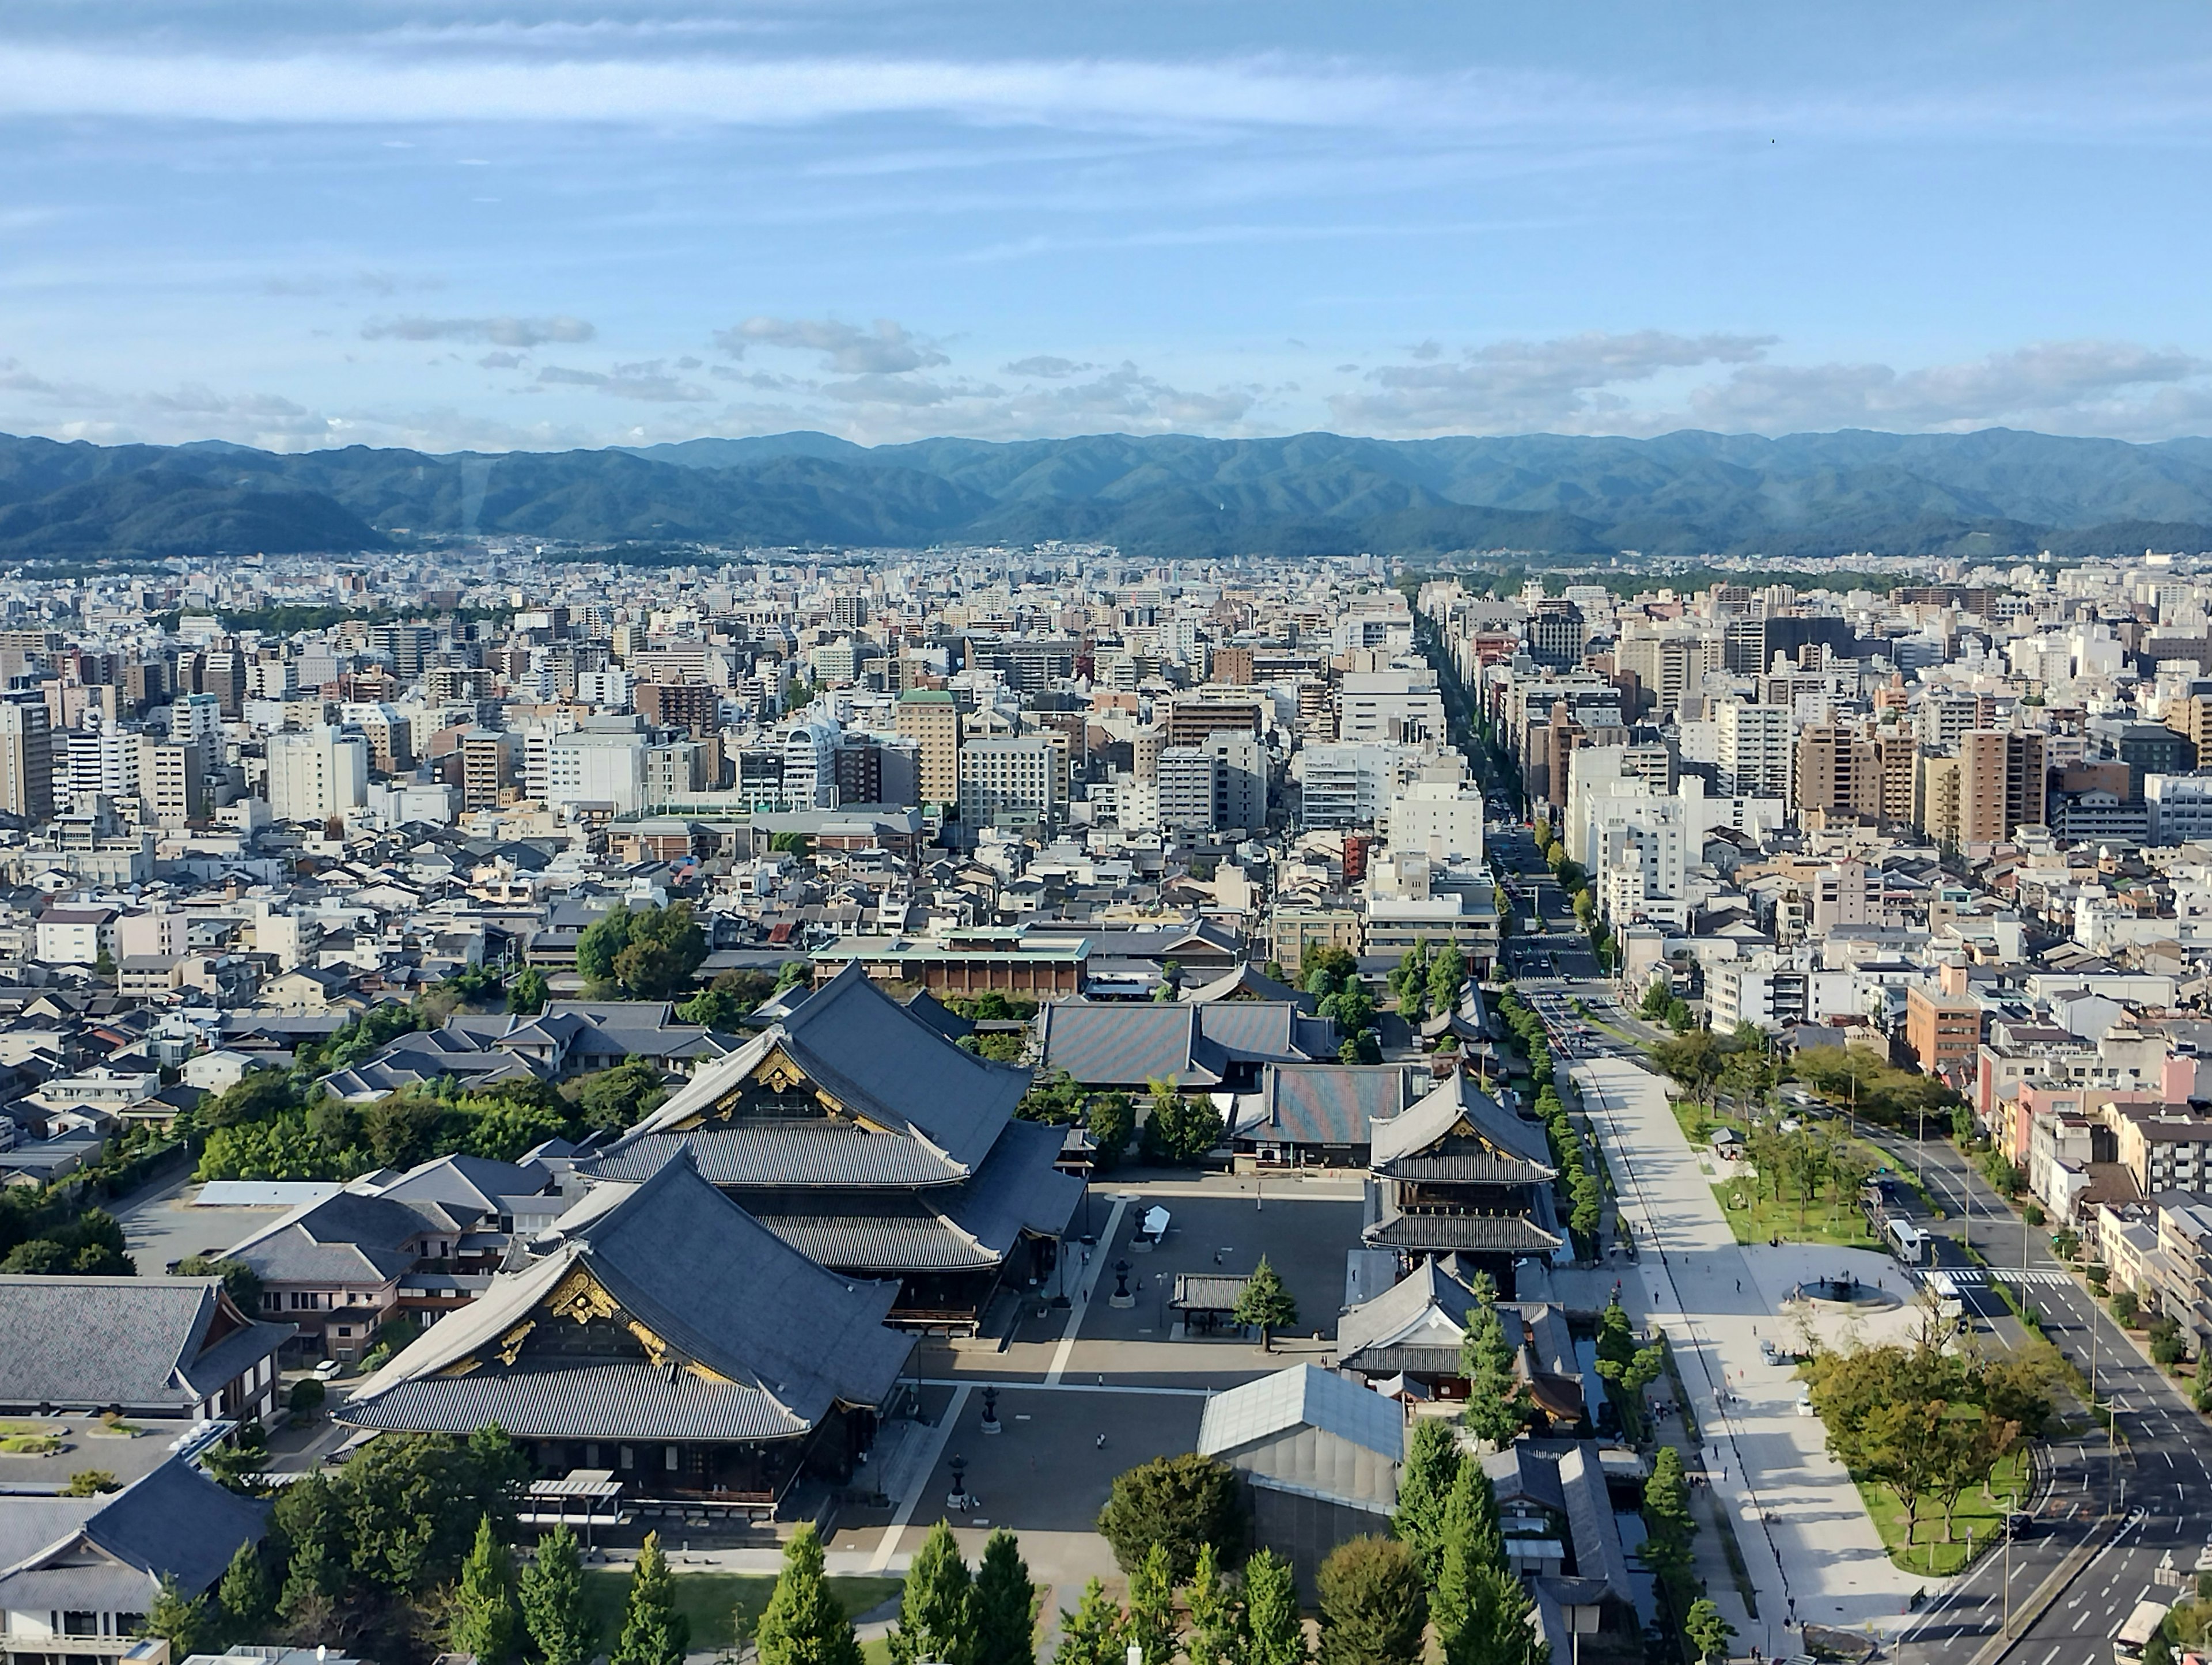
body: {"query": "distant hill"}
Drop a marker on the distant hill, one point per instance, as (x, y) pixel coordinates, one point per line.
(1995, 494)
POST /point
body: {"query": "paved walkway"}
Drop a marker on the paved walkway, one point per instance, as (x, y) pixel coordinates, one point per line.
(1812, 1552)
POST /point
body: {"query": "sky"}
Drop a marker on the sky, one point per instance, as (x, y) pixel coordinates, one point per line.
(483, 226)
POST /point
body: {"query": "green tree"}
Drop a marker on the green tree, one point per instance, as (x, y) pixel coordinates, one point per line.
(1271, 1613)
(665, 948)
(550, 1592)
(1480, 1609)
(1709, 1632)
(1153, 1626)
(1110, 1122)
(936, 1618)
(1446, 976)
(601, 941)
(1497, 1401)
(307, 1522)
(1652, 1008)
(1006, 1604)
(804, 1623)
(723, 1004)
(91, 1483)
(411, 1501)
(528, 993)
(1425, 1484)
(652, 1632)
(1372, 1604)
(1265, 1304)
(1218, 1634)
(181, 1623)
(1333, 962)
(246, 1595)
(617, 1098)
(1178, 1130)
(1096, 1634)
(1669, 1525)
(239, 1281)
(1182, 1501)
(483, 1617)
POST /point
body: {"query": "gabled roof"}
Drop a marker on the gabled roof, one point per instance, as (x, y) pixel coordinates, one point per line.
(748, 1339)
(1192, 1044)
(1457, 1105)
(109, 1553)
(1304, 1395)
(916, 1109)
(1428, 1307)
(1246, 982)
(1323, 1103)
(351, 1238)
(149, 1345)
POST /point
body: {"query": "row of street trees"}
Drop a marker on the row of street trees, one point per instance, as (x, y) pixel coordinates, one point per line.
(1424, 983)
(1584, 1192)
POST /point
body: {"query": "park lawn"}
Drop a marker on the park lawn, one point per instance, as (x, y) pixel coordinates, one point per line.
(1826, 1221)
(1978, 1512)
(710, 1601)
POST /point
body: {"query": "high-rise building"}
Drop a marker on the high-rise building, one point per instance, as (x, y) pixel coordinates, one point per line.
(488, 768)
(171, 781)
(695, 707)
(1010, 782)
(2001, 784)
(1557, 632)
(1838, 773)
(27, 757)
(931, 718)
(317, 773)
(1753, 749)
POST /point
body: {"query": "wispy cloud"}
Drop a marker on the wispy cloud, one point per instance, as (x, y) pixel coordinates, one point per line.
(498, 331)
(886, 350)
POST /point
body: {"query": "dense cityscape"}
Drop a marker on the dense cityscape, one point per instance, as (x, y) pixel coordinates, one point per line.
(1585, 1112)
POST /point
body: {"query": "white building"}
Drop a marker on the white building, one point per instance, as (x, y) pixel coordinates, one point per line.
(810, 765)
(1755, 748)
(1347, 785)
(1397, 707)
(1010, 782)
(2180, 808)
(596, 766)
(1440, 818)
(317, 773)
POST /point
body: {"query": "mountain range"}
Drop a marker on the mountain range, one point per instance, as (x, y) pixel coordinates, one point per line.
(1997, 493)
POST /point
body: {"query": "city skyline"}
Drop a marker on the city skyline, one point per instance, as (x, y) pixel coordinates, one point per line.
(457, 229)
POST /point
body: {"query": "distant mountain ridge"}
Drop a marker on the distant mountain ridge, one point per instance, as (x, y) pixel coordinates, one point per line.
(1997, 493)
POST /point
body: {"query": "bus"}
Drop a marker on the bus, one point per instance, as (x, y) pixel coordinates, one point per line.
(2135, 1635)
(1906, 1241)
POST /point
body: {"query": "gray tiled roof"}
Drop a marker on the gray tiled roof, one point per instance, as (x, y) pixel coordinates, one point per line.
(819, 1153)
(347, 1239)
(1438, 1112)
(174, 1520)
(141, 1343)
(789, 1339)
(1191, 1043)
(885, 1065)
(1324, 1103)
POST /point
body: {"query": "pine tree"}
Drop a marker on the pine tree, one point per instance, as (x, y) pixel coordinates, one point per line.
(804, 1623)
(1496, 1400)
(1668, 1522)
(182, 1623)
(246, 1595)
(936, 1618)
(1006, 1604)
(1265, 1303)
(1271, 1613)
(551, 1594)
(1153, 1624)
(1373, 1607)
(653, 1632)
(1433, 1464)
(1216, 1623)
(1480, 1610)
(1709, 1632)
(1096, 1634)
(484, 1621)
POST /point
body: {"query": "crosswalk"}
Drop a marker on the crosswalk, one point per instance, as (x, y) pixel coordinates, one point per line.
(2036, 1279)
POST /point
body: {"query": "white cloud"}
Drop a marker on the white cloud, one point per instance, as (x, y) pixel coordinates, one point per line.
(1045, 366)
(649, 382)
(887, 349)
(500, 331)
(1512, 385)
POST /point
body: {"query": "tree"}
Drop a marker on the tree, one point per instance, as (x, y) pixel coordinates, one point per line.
(528, 994)
(652, 1632)
(306, 1397)
(617, 1098)
(723, 1004)
(1336, 962)
(91, 1483)
(601, 941)
(1152, 1627)
(1446, 976)
(246, 1597)
(1271, 1613)
(1006, 1603)
(1425, 1484)
(1709, 1632)
(411, 1502)
(1265, 1304)
(1110, 1122)
(647, 953)
(935, 1619)
(1094, 1634)
(180, 1622)
(1652, 1008)
(1669, 1526)
(1480, 1610)
(484, 1617)
(1178, 1130)
(804, 1623)
(1497, 1401)
(1372, 1604)
(550, 1592)
(1218, 1634)
(239, 1281)
(2125, 1305)
(1181, 1501)
(308, 1523)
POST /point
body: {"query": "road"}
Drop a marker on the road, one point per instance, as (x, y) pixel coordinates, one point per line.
(1561, 950)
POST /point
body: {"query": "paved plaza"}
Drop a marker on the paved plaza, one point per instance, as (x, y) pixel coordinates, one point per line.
(1811, 1549)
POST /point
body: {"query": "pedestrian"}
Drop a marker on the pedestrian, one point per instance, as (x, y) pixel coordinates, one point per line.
(1102, 1442)
(1739, 1285)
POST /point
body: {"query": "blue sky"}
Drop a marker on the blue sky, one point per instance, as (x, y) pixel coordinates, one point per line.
(471, 225)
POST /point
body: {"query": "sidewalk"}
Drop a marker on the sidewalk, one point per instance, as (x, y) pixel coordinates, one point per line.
(1812, 1552)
